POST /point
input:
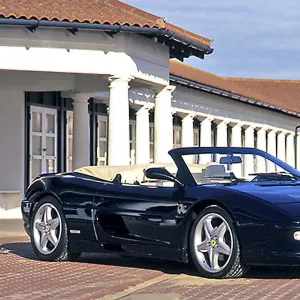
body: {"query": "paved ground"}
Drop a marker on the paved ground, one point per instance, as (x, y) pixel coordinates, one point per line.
(11, 228)
(110, 277)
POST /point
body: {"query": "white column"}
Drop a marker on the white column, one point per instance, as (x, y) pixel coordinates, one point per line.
(163, 125)
(188, 131)
(205, 133)
(81, 131)
(290, 149)
(205, 139)
(298, 151)
(222, 134)
(281, 146)
(262, 145)
(118, 122)
(188, 135)
(142, 136)
(236, 137)
(271, 148)
(249, 142)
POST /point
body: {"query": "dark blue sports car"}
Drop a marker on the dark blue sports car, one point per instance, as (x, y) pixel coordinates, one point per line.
(224, 209)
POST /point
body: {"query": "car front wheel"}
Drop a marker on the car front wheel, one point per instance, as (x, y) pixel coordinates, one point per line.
(214, 245)
(48, 231)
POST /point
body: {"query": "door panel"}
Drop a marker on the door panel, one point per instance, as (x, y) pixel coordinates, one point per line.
(137, 214)
(43, 141)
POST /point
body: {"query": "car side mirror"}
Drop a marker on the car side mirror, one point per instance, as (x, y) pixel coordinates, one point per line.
(161, 174)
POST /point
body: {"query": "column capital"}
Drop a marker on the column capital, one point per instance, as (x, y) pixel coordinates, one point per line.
(166, 89)
(237, 125)
(80, 97)
(224, 122)
(173, 111)
(272, 131)
(262, 129)
(120, 78)
(290, 134)
(283, 132)
(119, 81)
(250, 125)
(143, 109)
(189, 116)
(208, 119)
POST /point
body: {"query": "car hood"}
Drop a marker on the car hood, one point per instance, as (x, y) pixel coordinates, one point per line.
(272, 192)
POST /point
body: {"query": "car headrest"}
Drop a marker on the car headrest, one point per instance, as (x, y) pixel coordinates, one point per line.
(214, 170)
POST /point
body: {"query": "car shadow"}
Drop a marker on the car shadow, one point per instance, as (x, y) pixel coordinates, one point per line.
(24, 250)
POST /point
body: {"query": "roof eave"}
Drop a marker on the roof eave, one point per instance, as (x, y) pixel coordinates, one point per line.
(188, 47)
(228, 94)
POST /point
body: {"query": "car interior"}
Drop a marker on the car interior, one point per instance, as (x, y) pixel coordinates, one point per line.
(134, 174)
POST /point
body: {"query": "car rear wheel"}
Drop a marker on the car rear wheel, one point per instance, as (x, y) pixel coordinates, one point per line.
(48, 231)
(214, 245)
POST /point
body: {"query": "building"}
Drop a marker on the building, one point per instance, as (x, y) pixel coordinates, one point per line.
(91, 83)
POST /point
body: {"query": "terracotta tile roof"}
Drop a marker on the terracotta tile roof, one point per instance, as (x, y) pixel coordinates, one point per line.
(92, 11)
(284, 93)
(281, 93)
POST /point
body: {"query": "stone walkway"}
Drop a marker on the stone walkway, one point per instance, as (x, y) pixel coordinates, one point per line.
(109, 277)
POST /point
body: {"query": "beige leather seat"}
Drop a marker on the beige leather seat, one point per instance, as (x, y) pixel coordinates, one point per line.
(214, 171)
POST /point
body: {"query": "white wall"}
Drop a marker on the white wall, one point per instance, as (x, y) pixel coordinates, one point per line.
(36, 81)
(199, 101)
(11, 152)
(87, 52)
(11, 140)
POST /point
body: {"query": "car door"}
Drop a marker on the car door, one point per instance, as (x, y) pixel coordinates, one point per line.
(137, 215)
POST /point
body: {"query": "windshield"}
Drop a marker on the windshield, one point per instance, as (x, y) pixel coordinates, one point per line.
(234, 165)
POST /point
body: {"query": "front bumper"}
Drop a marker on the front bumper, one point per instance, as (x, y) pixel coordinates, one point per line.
(26, 209)
(269, 244)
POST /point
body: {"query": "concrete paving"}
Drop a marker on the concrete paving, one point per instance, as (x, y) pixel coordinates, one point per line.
(110, 277)
(11, 227)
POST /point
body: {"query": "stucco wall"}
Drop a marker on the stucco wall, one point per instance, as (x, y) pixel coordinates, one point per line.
(86, 52)
(198, 101)
(11, 139)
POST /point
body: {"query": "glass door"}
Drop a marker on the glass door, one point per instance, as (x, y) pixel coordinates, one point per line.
(102, 141)
(43, 141)
(69, 143)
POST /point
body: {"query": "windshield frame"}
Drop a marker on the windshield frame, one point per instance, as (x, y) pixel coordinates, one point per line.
(185, 176)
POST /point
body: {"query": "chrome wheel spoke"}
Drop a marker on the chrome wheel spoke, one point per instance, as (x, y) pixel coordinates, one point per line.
(213, 258)
(47, 214)
(40, 226)
(44, 240)
(208, 229)
(220, 230)
(223, 248)
(52, 238)
(203, 247)
(54, 223)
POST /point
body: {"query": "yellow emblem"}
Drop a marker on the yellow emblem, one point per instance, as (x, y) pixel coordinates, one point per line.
(213, 243)
(47, 229)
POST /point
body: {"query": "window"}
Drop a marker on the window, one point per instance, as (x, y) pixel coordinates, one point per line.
(196, 137)
(102, 140)
(69, 140)
(132, 140)
(177, 136)
(151, 128)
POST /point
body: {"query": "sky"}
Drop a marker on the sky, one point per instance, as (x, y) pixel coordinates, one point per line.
(253, 39)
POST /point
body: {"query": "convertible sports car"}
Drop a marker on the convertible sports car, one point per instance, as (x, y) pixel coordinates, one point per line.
(223, 209)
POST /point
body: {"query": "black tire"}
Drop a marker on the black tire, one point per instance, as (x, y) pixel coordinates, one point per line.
(233, 266)
(61, 251)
